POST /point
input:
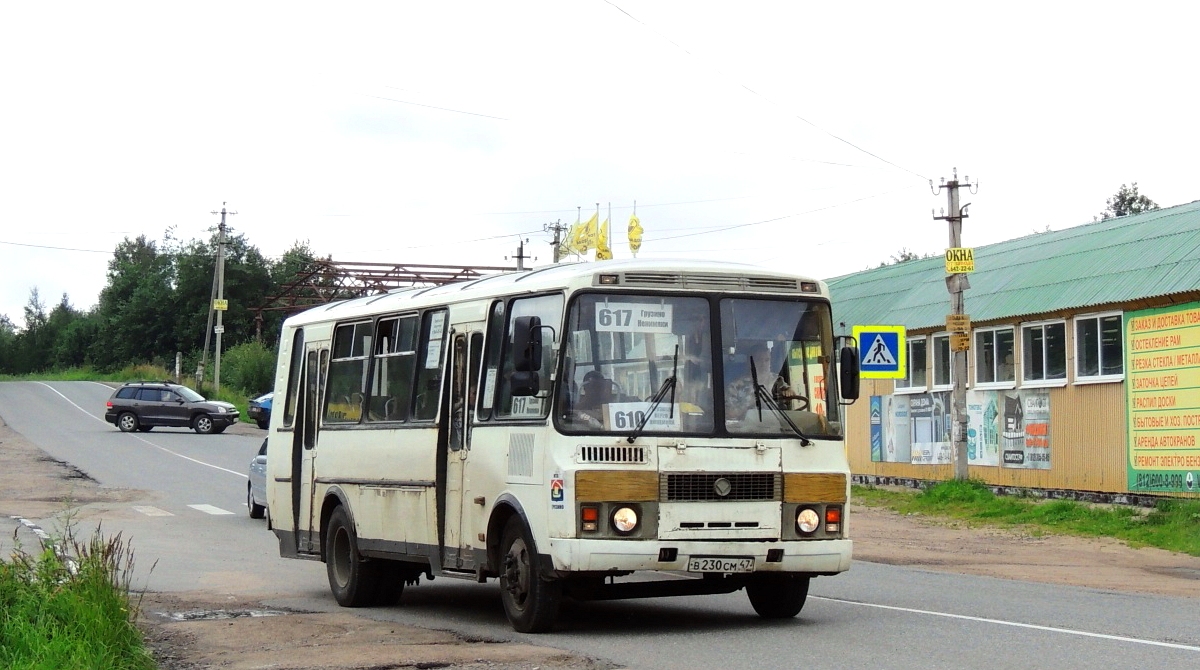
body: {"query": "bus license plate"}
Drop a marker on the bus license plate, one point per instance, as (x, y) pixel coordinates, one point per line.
(720, 564)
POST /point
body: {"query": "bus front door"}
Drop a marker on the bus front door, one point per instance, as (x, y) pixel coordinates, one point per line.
(457, 553)
(307, 533)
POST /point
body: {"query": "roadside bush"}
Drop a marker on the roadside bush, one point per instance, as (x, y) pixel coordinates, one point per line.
(250, 367)
(71, 608)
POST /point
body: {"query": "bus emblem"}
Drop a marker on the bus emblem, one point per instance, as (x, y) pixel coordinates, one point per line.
(556, 490)
(722, 487)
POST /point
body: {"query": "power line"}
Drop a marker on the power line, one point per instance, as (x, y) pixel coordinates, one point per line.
(43, 246)
(779, 217)
(765, 98)
(444, 109)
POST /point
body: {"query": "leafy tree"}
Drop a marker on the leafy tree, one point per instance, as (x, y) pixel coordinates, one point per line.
(1127, 201)
(8, 340)
(903, 256)
(137, 307)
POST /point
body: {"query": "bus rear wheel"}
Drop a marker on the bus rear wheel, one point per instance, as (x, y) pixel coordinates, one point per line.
(531, 598)
(353, 580)
(778, 596)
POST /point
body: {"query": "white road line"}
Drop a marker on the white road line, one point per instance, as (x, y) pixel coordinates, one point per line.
(173, 453)
(209, 509)
(151, 511)
(1049, 629)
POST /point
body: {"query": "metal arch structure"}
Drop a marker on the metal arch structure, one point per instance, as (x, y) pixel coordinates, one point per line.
(326, 280)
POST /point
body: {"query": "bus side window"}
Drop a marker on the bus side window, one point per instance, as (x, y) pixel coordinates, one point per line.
(347, 373)
(549, 309)
(430, 363)
(294, 369)
(395, 364)
(495, 349)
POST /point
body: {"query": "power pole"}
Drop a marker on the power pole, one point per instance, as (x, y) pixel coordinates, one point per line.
(956, 284)
(558, 229)
(520, 255)
(219, 305)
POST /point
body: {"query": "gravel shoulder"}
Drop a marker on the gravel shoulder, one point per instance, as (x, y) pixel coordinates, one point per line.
(210, 630)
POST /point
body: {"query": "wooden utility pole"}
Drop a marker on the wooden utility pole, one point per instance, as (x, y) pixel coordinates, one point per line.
(557, 228)
(219, 305)
(956, 284)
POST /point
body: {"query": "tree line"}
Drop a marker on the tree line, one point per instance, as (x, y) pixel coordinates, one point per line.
(154, 303)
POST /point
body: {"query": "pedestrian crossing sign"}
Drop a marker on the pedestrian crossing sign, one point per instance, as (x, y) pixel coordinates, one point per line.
(881, 352)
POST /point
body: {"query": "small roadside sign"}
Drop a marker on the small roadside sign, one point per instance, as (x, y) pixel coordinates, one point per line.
(960, 259)
(958, 323)
(881, 351)
(220, 305)
(218, 329)
(960, 342)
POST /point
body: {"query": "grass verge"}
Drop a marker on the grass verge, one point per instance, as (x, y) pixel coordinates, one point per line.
(70, 609)
(1172, 524)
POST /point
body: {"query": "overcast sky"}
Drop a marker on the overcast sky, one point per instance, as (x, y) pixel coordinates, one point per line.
(410, 132)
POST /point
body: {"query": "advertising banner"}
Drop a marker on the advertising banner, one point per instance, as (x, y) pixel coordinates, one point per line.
(1162, 396)
(916, 428)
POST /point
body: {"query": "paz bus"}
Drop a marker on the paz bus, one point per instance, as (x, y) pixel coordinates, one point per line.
(562, 428)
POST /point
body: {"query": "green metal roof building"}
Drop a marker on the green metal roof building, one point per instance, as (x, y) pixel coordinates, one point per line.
(1080, 346)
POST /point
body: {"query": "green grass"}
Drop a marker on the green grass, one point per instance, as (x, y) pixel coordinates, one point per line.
(53, 616)
(1173, 524)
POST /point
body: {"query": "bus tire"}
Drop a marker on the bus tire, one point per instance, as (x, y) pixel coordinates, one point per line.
(778, 595)
(531, 598)
(353, 580)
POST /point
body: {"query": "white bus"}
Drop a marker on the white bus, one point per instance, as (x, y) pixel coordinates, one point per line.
(561, 428)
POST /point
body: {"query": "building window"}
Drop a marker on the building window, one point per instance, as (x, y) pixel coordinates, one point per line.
(943, 362)
(916, 375)
(1098, 353)
(994, 356)
(1044, 352)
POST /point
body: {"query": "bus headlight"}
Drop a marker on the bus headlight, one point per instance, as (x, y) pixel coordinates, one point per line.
(625, 520)
(807, 520)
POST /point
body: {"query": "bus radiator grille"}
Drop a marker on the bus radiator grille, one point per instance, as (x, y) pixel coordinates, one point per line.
(612, 454)
(704, 487)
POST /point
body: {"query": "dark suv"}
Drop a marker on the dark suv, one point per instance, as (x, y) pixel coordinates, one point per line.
(143, 405)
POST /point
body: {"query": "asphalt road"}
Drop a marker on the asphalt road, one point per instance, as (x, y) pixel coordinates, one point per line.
(875, 616)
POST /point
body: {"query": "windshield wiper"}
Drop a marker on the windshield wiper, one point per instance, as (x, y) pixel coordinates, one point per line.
(762, 395)
(668, 385)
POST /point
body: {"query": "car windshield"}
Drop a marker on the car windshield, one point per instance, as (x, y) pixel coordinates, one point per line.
(623, 350)
(785, 347)
(188, 394)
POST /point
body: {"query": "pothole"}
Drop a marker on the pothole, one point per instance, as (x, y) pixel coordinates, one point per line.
(210, 615)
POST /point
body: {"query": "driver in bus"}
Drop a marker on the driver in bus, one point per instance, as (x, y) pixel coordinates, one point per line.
(739, 380)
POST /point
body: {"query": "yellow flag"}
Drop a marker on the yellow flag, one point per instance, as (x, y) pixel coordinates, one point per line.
(635, 234)
(587, 234)
(567, 246)
(603, 253)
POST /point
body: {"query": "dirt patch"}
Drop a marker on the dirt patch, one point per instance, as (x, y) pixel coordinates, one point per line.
(242, 636)
(204, 630)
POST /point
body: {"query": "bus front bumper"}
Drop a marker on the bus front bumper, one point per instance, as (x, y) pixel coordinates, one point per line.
(813, 556)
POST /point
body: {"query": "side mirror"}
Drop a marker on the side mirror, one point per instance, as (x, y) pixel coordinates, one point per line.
(260, 459)
(525, 383)
(527, 345)
(848, 370)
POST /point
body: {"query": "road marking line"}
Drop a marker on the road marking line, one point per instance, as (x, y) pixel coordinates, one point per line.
(151, 511)
(209, 509)
(173, 453)
(1049, 629)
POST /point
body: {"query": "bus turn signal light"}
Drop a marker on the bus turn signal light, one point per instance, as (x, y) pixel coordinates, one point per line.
(590, 517)
(833, 519)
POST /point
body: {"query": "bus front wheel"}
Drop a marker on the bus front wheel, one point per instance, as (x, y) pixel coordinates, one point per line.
(353, 579)
(530, 598)
(779, 595)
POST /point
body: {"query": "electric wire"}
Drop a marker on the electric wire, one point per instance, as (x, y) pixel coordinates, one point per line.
(765, 98)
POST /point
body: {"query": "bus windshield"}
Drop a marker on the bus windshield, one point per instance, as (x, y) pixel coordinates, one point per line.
(785, 346)
(623, 351)
(620, 352)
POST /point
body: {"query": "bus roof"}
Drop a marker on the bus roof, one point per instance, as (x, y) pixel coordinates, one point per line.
(651, 274)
